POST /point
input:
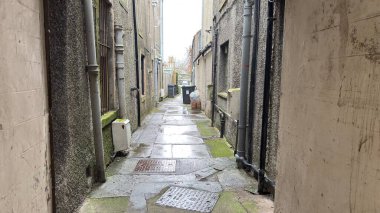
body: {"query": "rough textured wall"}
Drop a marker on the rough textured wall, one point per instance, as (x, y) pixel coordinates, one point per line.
(275, 92)
(124, 16)
(229, 20)
(71, 124)
(25, 184)
(329, 114)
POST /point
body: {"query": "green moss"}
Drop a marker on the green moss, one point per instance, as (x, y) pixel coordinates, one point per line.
(108, 118)
(206, 130)
(219, 148)
(107, 144)
(228, 202)
(120, 120)
(113, 204)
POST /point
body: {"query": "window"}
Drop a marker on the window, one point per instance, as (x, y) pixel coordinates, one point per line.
(103, 56)
(142, 74)
(223, 68)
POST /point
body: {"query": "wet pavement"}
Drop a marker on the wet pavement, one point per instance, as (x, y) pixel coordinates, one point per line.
(172, 149)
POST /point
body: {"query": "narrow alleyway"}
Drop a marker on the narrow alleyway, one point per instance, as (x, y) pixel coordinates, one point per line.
(176, 147)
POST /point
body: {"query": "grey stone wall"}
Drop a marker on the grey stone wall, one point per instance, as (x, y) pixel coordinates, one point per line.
(229, 23)
(71, 126)
(124, 16)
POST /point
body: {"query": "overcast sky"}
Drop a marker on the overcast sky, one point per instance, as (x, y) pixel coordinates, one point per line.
(182, 19)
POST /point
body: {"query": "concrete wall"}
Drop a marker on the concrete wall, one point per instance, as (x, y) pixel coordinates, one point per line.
(329, 116)
(203, 66)
(25, 184)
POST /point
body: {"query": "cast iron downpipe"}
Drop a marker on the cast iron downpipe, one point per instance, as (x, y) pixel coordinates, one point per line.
(266, 99)
(93, 71)
(119, 49)
(246, 46)
(252, 88)
(214, 66)
(137, 63)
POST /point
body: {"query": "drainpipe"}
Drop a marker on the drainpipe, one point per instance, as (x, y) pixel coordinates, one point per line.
(266, 99)
(119, 49)
(252, 91)
(246, 45)
(137, 88)
(214, 66)
(93, 71)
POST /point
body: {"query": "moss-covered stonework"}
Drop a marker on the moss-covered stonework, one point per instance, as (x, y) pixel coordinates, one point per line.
(234, 202)
(206, 130)
(219, 147)
(108, 118)
(107, 144)
(103, 205)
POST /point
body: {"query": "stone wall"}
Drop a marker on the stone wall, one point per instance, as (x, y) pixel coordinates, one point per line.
(25, 184)
(329, 112)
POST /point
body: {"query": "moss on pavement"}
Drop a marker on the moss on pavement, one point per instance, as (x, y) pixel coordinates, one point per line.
(219, 148)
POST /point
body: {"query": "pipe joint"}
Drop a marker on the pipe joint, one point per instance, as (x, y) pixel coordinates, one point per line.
(93, 69)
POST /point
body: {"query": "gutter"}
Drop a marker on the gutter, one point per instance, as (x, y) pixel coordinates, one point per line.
(203, 51)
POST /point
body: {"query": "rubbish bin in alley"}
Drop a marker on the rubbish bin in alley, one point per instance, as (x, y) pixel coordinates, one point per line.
(172, 90)
(186, 90)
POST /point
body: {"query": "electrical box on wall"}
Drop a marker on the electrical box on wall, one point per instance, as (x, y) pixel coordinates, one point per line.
(121, 134)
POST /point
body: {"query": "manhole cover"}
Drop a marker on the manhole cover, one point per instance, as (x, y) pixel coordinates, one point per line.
(188, 199)
(155, 166)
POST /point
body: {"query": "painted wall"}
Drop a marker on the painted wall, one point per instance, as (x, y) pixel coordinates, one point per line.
(329, 150)
(25, 184)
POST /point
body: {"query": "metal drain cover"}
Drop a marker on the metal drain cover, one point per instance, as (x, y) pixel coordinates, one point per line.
(189, 199)
(155, 166)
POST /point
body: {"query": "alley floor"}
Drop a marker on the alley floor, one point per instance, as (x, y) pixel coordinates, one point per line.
(176, 151)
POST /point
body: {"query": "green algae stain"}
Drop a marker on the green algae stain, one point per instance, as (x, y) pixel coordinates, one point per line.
(229, 202)
(219, 148)
(113, 204)
(206, 130)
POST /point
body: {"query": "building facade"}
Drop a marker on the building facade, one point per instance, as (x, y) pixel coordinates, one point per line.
(47, 133)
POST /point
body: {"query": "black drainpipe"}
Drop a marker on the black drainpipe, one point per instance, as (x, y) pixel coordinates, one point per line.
(265, 184)
(137, 88)
(214, 65)
(252, 89)
(266, 100)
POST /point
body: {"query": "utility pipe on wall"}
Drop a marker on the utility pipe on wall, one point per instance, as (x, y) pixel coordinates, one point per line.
(246, 46)
(266, 99)
(119, 49)
(252, 88)
(214, 66)
(93, 71)
(137, 63)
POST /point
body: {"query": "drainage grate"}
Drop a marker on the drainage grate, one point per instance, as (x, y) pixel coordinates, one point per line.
(155, 166)
(188, 199)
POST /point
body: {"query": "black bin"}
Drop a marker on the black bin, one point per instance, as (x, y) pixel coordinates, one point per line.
(172, 90)
(186, 90)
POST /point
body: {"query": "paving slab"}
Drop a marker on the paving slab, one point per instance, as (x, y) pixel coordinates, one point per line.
(162, 151)
(116, 186)
(178, 139)
(191, 130)
(190, 151)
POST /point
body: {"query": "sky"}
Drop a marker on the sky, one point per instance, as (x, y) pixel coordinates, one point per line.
(182, 20)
